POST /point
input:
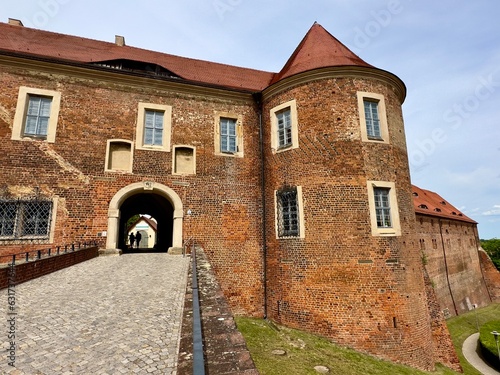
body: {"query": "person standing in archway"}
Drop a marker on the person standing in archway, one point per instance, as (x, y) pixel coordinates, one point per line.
(131, 239)
(138, 238)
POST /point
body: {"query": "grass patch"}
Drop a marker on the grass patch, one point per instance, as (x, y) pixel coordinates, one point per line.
(463, 326)
(488, 341)
(304, 351)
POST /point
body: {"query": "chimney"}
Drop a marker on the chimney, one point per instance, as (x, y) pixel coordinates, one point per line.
(119, 40)
(13, 21)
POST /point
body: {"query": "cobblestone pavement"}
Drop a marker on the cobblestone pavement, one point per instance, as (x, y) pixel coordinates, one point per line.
(109, 315)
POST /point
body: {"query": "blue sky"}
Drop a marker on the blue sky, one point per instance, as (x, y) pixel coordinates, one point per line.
(446, 52)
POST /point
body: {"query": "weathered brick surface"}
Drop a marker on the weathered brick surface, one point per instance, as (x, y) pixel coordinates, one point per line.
(31, 270)
(451, 257)
(491, 275)
(321, 283)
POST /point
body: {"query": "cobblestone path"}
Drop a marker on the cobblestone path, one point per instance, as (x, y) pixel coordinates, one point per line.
(109, 315)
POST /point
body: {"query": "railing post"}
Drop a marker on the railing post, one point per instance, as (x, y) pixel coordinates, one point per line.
(13, 259)
(72, 247)
(65, 248)
(48, 252)
(57, 249)
(39, 254)
(27, 257)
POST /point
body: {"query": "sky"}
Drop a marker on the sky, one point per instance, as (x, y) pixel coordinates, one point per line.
(447, 53)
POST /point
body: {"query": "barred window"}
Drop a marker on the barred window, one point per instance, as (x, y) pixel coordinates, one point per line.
(287, 212)
(25, 219)
(383, 207)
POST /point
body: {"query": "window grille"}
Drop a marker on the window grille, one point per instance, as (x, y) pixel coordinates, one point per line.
(228, 135)
(284, 128)
(153, 128)
(382, 207)
(288, 212)
(372, 119)
(25, 219)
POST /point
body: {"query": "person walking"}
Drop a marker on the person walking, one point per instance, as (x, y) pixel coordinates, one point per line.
(138, 238)
(131, 239)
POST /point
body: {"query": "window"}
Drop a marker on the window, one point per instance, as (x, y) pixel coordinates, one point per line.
(289, 217)
(384, 212)
(154, 122)
(25, 219)
(373, 119)
(382, 207)
(36, 115)
(284, 127)
(153, 128)
(228, 135)
(119, 156)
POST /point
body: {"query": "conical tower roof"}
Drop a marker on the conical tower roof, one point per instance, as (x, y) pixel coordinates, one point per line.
(318, 49)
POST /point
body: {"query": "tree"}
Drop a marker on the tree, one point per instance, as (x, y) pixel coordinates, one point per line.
(492, 247)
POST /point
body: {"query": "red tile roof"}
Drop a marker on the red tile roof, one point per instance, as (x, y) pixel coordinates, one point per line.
(44, 44)
(429, 203)
(319, 49)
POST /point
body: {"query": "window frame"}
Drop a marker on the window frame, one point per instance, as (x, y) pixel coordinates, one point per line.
(18, 230)
(218, 134)
(109, 142)
(174, 161)
(395, 228)
(382, 116)
(274, 112)
(300, 232)
(141, 126)
(20, 117)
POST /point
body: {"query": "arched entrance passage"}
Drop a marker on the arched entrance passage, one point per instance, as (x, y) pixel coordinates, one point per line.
(152, 198)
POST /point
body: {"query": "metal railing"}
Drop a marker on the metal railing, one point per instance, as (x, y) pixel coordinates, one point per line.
(33, 255)
(198, 357)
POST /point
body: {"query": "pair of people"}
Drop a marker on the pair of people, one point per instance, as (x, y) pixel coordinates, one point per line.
(134, 238)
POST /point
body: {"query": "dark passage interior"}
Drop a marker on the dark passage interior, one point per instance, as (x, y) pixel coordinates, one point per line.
(154, 205)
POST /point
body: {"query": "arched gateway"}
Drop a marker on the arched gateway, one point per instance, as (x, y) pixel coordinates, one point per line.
(148, 188)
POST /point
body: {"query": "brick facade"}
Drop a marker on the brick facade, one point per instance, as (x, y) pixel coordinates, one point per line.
(337, 278)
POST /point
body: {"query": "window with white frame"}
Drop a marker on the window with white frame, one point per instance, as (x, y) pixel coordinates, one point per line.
(25, 219)
(284, 127)
(373, 119)
(228, 138)
(228, 134)
(384, 211)
(289, 215)
(36, 114)
(153, 131)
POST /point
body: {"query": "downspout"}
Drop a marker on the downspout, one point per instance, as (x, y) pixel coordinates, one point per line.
(258, 99)
(446, 266)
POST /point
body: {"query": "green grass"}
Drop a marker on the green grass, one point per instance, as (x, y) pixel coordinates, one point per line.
(304, 351)
(488, 342)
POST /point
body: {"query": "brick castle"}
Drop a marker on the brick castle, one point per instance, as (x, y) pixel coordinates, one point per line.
(295, 183)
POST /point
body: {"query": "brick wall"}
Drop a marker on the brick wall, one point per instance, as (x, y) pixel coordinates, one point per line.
(31, 270)
(340, 281)
(450, 252)
(491, 275)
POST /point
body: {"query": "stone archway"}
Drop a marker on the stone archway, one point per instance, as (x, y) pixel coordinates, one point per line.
(143, 188)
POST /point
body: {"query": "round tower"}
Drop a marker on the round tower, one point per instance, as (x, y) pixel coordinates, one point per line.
(341, 255)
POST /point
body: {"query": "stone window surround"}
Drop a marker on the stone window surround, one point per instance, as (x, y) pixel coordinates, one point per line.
(21, 108)
(300, 207)
(174, 160)
(239, 134)
(167, 126)
(395, 230)
(108, 149)
(384, 130)
(292, 104)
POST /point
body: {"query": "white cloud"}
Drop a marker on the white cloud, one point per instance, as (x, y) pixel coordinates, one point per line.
(493, 212)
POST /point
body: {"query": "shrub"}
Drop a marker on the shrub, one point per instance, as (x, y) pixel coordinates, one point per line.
(488, 343)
